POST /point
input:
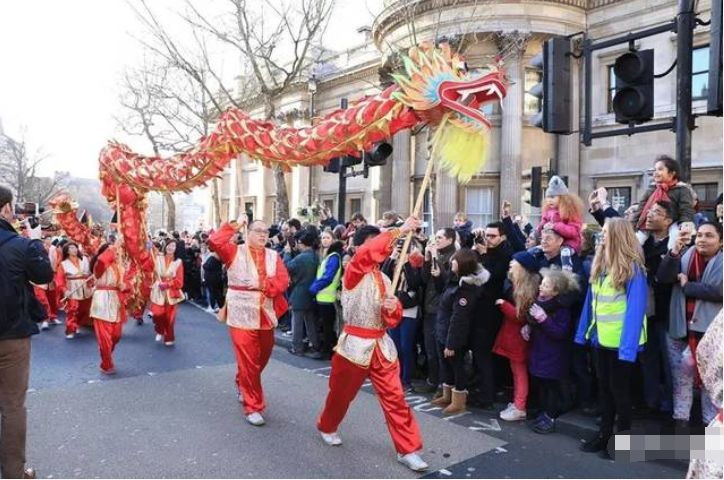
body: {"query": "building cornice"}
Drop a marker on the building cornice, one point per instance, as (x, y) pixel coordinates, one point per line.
(398, 13)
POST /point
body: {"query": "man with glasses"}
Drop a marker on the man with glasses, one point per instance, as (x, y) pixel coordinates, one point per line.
(254, 302)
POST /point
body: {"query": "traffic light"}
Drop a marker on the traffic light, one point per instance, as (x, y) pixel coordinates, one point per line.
(554, 89)
(378, 155)
(533, 190)
(714, 94)
(336, 163)
(634, 99)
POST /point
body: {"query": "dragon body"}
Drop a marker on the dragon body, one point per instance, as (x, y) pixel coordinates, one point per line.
(434, 88)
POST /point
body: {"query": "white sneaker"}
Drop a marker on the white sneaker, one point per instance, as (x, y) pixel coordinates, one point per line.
(255, 419)
(512, 414)
(216, 309)
(507, 408)
(169, 344)
(70, 336)
(333, 439)
(55, 321)
(159, 337)
(44, 325)
(209, 310)
(413, 461)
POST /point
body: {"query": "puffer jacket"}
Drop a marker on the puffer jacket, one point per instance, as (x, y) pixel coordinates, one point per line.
(457, 308)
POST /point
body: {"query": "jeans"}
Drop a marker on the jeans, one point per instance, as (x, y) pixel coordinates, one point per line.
(481, 345)
(654, 361)
(300, 320)
(404, 337)
(14, 374)
(614, 382)
(214, 295)
(433, 360)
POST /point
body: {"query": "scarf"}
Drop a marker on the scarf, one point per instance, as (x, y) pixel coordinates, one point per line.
(661, 193)
(696, 270)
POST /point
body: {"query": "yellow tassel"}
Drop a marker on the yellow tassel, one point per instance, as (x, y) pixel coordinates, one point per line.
(462, 153)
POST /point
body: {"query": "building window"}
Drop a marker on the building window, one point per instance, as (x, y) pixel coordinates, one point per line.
(329, 205)
(619, 198)
(611, 88)
(479, 205)
(355, 205)
(532, 104)
(707, 194)
(700, 73)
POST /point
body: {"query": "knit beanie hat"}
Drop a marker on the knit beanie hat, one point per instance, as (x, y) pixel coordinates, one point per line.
(527, 261)
(556, 187)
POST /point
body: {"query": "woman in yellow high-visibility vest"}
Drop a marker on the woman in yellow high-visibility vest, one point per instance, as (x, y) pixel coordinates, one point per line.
(325, 288)
(613, 320)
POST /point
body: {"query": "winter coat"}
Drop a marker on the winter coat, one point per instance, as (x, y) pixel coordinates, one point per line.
(516, 237)
(510, 343)
(465, 231)
(302, 273)
(410, 296)
(550, 341)
(707, 292)
(23, 261)
(433, 286)
(682, 203)
(569, 229)
(487, 322)
(457, 308)
(213, 271)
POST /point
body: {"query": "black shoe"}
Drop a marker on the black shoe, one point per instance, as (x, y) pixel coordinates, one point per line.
(605, 454)
(596, 444)
(293, 351)
(424, 388)
(546, 425)
(139, 321)
(315, 355)
(284, 328)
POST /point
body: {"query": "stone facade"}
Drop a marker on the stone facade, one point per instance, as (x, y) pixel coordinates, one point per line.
(515, 30)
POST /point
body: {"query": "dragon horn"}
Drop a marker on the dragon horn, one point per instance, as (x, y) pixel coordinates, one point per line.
(410, 66)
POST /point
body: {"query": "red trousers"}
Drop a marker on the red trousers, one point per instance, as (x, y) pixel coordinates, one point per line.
(252, 349)
(164, 320)
(346, 380)
(77, 312)
(48, 300)
(108, 335)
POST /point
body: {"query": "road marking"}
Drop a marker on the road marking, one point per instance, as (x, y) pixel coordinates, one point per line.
(445, 471)
(491, 426)
(453, 417)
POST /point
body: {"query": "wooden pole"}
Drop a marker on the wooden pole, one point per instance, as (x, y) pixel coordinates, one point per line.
(418, 204)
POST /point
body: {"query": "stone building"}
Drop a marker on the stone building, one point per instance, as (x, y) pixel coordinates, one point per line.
(515, 30)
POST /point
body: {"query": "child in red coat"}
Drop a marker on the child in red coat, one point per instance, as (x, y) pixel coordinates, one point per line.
(509, 343)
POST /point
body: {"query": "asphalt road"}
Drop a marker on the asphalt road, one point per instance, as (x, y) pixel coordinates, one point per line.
(173, 412)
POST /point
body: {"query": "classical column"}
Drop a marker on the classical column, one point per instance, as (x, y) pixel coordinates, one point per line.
(511, 46)
(400, 176)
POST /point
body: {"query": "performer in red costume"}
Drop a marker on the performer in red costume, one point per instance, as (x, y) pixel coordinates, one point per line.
(72, 282)
(107, 309)
(254, 302)
(45, 293)
(166, 292)
(365, 350)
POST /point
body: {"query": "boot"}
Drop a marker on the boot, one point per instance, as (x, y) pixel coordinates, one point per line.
(459, 400)
(446, 397)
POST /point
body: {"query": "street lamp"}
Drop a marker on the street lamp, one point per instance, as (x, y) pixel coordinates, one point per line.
(312, 89)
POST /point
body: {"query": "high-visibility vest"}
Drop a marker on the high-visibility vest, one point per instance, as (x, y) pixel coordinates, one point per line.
(329, 293)
(608, 307)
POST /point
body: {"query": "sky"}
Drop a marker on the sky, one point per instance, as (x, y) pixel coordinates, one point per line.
(62, 64)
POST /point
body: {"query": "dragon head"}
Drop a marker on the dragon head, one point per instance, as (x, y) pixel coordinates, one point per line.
(438, 87)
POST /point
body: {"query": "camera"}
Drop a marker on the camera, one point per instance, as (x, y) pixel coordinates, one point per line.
(399, 243)
(28, 208)
(480, 239)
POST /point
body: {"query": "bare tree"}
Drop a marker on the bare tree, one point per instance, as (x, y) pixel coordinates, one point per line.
(277, 41)
(18, 168)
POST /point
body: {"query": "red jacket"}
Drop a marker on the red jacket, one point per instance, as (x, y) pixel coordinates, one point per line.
(510, 343)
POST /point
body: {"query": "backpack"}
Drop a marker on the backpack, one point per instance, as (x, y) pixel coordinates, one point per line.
(8, 293)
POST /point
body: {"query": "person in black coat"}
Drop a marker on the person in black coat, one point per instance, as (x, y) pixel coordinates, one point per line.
(455, 314)
(495, 255)
(214, 281)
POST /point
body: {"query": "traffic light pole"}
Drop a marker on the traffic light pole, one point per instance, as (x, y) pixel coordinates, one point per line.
(685, 24)
(342, 194)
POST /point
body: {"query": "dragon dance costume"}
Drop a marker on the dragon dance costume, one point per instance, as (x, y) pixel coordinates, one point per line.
(254, 302)
(365, 350)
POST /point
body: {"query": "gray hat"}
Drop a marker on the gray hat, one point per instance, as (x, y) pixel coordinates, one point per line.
(556, 187)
